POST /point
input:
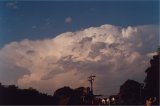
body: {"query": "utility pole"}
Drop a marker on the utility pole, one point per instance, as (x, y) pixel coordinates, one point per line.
(91, 79)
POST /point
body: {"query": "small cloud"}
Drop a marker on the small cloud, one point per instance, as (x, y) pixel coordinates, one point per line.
(34, 27)
(12, 5)
(68, 20)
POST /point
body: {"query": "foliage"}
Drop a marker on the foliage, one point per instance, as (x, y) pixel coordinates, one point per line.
(13, 95)
(130, 92)
(151, 88)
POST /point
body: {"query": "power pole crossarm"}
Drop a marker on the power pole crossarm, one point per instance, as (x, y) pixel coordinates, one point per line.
(91, 79)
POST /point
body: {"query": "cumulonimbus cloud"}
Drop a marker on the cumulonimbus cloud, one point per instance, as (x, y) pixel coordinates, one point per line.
(112, 53)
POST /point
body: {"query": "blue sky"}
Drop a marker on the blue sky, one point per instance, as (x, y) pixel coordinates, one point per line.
(39, 19)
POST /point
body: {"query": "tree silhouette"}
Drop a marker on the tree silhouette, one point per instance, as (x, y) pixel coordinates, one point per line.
(68, 96)
(63, 95)
(151, 88)
(130, 93)
(12, 95)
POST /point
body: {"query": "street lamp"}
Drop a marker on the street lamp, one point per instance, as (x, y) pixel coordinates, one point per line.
(103, 101)
(113, 99)
(108, 101)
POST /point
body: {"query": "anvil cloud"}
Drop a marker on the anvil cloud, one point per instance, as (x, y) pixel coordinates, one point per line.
(112, 53)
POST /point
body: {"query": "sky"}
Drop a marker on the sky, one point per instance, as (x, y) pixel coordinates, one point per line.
(40, 20)
(50, 44)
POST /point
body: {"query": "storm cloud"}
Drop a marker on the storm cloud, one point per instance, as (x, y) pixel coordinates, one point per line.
(112, 53)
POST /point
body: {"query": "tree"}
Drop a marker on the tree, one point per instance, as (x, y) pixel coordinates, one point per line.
(130, 92)
(82, 96)
(151, 88)
(68, 96)
(63, 95)
(12, 95)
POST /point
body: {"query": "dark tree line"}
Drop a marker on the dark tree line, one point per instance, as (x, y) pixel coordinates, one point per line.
(12, 95)
(15, 96)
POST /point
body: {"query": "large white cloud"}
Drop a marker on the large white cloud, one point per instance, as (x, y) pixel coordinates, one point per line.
(114, 54)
